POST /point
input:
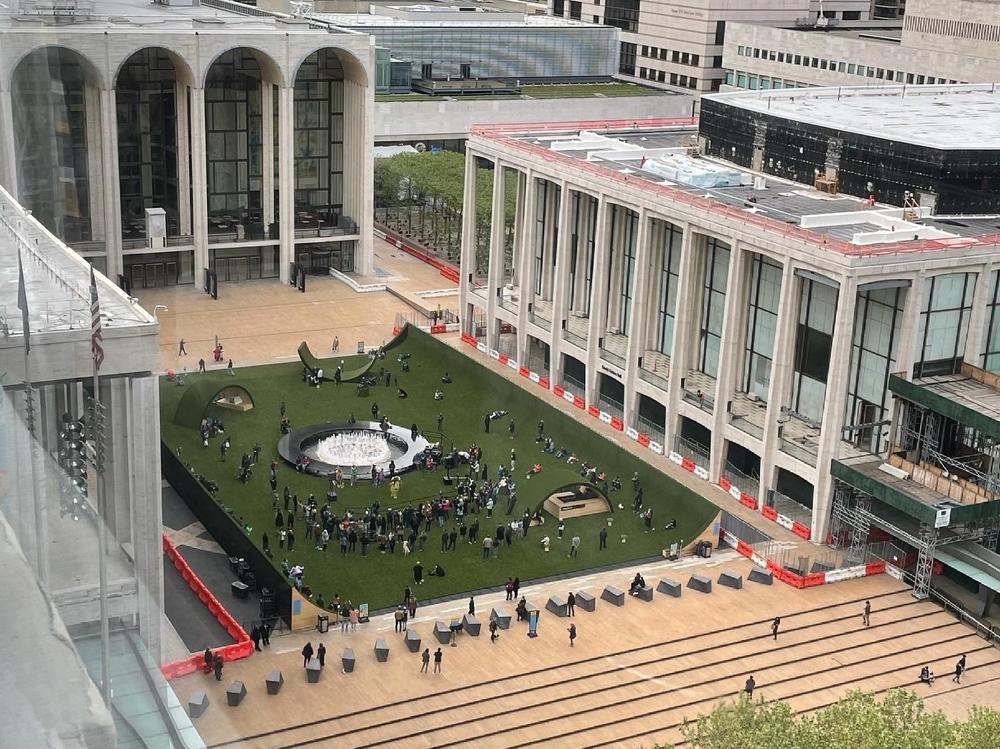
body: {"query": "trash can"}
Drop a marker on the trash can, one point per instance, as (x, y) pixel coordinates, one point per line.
(323, 623)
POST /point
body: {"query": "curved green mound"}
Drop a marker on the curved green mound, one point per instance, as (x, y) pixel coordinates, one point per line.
(354, 366)
(199, 396)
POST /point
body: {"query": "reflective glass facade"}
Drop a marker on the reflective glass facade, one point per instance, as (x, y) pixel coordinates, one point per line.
(713, 305)
(503, 52)
(813, 348)
(319, 140)
(944, 323)
(666, 249)
(762, 324)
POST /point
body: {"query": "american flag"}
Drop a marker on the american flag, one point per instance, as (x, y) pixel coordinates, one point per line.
(96, 338)
(22, 304)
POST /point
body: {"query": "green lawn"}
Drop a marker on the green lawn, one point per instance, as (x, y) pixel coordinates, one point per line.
(378, 579)
(544, 91)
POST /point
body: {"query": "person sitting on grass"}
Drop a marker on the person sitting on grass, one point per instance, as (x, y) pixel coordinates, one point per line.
(401, 393)
(286, 425)
(438, 571)
(438, 395)
(446, 379)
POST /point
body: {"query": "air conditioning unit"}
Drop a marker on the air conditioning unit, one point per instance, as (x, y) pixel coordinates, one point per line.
(827, 185)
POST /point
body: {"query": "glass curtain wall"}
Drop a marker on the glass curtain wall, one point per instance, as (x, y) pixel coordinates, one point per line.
(319, 141)
(147, 140)
(713, 306)
(582, 247)
(621, 267)
(877, 320)
(50, 140)
(235, 146)
(991, 337)
(667, 240)
(944, 323)
(813, 347)
(762, 324)
(547, 196)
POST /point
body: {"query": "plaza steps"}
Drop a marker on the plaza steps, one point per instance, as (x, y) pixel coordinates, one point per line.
(642, 695)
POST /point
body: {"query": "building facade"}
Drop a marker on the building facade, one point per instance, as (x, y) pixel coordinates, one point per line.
(679, 44)
(746, 322)
(162, 141)
(935, 43)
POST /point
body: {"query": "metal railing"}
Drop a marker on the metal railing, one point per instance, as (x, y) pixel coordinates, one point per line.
(705, 401)
(651, 429)
(740, 480)
(692, 450)
(745, 425)
(788, 507)
(611, 406)
(654, 378)
(574, 386)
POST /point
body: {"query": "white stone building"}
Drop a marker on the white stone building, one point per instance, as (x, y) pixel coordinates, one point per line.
(678, 44)
(248, 135)
(744, 321)
(935, 42)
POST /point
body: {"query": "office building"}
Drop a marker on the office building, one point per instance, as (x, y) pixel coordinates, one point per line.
(163, 140)
(744, 320)
(936, 42)
(678, 45)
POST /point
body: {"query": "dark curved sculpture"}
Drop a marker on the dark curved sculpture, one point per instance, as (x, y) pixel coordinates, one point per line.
(297, 443)
(199, 396)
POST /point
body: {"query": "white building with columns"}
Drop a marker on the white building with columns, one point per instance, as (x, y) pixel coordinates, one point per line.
(746, 322)
(163, 140)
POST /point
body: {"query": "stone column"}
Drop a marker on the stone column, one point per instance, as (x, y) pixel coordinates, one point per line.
(522, 270)
(147, 511)
(494, 271)
(359, 167)
(117, 400)
(782, 365)
(468, 247)
(641, 284)
(598, 294)
(199, 185)
(974, 342)
(96, 115)
(688, 307)
(183, 162)
(908, 352)
(111, 186)
(733, 332)
(560, 291)
(834, 404)
(8, 158)
(286, 180)
(267, 154)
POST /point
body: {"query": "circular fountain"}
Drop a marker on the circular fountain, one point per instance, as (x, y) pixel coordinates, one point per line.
(344, 445)
(355, 448)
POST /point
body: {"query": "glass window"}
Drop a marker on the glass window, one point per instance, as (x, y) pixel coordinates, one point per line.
(944, 322)
(667, 254)
(762, 324)
(991, 336)
(713, 304)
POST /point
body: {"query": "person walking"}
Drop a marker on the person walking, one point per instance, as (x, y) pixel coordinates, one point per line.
(866, 615)
(255, 636)
(440, 421)
(959, 670)
(603, 537)
(487, 547)
(265, 634)
(412, 606)
(472, 606)
(572, 634)
(336, 344)
(493, 631)
(217, 666)
(425, 659)
(355, 618)
(571, 604)
(486, 423)
(749, 687)
(574, 547)
(181, 348)
(399, 618)
(510, 428)
(418, 573)
(438, 655)
(775, 623)
(307, 654)
(517, 586)
(321, 655)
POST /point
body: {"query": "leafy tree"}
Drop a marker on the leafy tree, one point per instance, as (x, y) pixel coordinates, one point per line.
(858, 721)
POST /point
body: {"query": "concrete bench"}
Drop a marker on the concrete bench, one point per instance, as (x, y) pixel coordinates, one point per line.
(274, 681)
(235, 694)
(585, 601)
(700, 583)
(613, 595)
(501, 616)
(347, 660)
(557, 606)
(670, 587)
(313, 670)
(442, 633)
(412, 640)
(731, 580)
(645, 593)
(197, 704)
(471, 625)
(381, 650)
(764, 577)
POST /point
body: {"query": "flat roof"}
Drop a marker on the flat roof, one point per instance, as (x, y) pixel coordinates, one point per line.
(431, 18)
(955, 117)
(636, 152)
(56, 279)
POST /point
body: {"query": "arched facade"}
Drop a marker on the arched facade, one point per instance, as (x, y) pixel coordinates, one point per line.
(201, 120)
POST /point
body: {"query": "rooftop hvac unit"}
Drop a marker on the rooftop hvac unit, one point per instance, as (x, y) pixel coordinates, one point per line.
(826, 184)
(759, 183)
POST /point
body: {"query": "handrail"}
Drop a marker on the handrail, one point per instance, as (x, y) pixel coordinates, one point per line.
(989, 632)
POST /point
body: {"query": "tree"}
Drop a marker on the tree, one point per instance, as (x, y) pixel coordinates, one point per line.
(858, 721)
